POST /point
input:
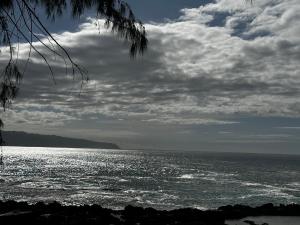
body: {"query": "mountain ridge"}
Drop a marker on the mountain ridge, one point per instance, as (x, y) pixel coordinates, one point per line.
(20, 138)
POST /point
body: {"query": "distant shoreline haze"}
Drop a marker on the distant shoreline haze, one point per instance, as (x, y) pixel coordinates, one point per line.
(16, 138)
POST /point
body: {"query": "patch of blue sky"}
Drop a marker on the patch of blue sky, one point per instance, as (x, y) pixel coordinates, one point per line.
(145, 10)
(219, 19)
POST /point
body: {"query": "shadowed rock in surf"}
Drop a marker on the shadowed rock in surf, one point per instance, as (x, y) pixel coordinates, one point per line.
(12, 212)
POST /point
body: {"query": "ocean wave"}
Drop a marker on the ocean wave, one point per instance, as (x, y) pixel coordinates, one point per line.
(252, 195)
(219, 177)
(123, 180)
(136, 191)
(278, 192)
(294, 184)
(210, 179)
(199, 207)
(220, 174)
(112, 179)
(187, 176)
(273, 191)
(247, 183)
(210, 176)
(142, 178)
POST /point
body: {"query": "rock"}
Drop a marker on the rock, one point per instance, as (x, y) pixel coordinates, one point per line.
(250, 222)
(54, 213)
(16, 217)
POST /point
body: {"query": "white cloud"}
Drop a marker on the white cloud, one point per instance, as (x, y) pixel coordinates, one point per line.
(193, 72)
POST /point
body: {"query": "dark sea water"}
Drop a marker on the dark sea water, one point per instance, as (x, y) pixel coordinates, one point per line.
(159, 179)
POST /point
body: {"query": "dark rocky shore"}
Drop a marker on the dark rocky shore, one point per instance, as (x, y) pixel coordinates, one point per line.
(12, 212)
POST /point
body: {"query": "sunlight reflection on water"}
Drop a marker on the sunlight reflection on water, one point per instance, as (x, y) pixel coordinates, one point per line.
(116, 178)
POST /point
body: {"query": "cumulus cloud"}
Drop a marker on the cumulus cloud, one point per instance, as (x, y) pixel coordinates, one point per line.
(217, 61)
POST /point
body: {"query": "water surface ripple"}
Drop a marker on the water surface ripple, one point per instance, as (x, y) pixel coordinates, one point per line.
(163, 180)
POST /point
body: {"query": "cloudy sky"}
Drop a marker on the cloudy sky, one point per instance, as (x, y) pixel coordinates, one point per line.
(218, 75)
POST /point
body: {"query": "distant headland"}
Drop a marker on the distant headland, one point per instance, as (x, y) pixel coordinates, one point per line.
(17, 138)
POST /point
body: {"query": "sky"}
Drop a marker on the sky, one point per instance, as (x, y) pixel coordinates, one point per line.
(218, 75)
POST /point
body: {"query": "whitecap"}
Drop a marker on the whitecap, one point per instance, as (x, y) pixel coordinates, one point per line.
(187, 176)
(123, 180)
(200, 207)
(252, 195)
(272, 191)
(251, 184)
(209, 178)
(294, 184)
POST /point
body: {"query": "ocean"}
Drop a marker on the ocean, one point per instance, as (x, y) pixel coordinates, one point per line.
(158, 179)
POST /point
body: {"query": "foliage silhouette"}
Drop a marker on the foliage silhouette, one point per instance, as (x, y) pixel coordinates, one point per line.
(19, 21)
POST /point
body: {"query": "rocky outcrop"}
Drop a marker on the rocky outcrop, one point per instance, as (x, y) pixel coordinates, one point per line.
(12, 212)
(242, 211)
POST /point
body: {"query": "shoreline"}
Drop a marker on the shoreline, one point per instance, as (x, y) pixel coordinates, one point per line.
(12, 212)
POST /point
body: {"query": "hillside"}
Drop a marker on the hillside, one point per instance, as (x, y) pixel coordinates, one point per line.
(16, 138)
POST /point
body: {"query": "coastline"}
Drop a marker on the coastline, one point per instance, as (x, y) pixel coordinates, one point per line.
(12, 212)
